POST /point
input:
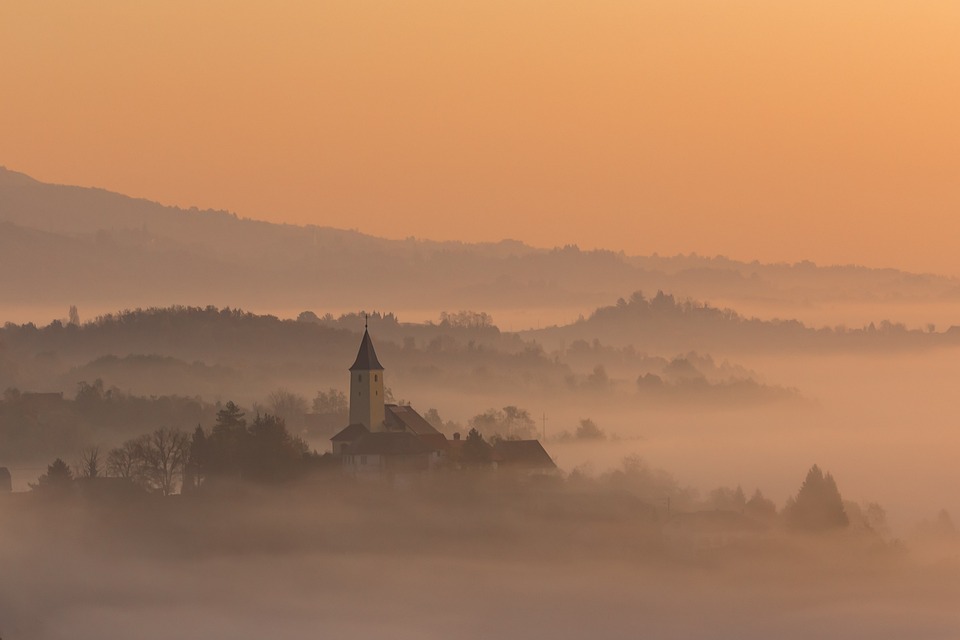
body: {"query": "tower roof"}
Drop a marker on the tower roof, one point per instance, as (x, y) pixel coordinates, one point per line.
(366, 357)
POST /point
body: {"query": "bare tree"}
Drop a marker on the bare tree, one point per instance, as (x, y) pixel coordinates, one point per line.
(287, 405)
(126, 462)
(91, 465)
(164, 453)
(331, 401)
(155, 461)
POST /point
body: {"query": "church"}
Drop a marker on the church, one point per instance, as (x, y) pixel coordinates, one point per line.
(388, 439)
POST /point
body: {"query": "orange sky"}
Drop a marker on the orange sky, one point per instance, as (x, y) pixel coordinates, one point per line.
(771, 130)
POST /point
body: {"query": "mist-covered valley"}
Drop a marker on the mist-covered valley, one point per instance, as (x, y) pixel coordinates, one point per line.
(685, 401)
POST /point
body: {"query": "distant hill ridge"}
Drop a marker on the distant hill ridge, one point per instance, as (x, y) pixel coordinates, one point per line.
(66, 244)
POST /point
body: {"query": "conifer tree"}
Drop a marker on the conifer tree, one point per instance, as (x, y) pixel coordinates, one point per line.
(818, 505)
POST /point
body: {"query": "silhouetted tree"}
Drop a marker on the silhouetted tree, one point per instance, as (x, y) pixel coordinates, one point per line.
(57, 479)
(476, 452)
(271, 453)
(760, 506)
(726, 499)
(588, 430)
(90, 463)
(226, 441)
(126, 462)
(154, 461)
(510, 422)
(164, 453)
(818, 505)
(194, 471)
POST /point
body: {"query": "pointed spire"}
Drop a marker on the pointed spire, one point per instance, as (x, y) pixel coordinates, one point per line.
(366, 356)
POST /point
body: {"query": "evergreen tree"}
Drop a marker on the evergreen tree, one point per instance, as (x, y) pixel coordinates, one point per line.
(818, 505)
(194, 471)
(227, 441)
(476, 452)
(58, 478)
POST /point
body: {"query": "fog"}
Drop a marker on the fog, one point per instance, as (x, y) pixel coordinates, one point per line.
(692, 406)
(544, 562)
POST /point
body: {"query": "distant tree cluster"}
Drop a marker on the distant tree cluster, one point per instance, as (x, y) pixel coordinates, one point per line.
(331, 401)
(511, 423)
(39, 424)
(167, 460)
(261, 451)
(444, 426)
(467, 319)
(587, 430)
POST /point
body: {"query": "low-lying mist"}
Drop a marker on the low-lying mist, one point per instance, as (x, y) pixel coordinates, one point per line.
(466, 557)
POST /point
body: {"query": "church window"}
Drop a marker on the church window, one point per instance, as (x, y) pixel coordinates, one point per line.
(375, 377)
(359, 377)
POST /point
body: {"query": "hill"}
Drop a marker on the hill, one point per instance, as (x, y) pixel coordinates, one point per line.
(665, 324)
(62, 245)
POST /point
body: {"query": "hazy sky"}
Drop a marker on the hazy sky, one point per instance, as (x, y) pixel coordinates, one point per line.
(777, 130)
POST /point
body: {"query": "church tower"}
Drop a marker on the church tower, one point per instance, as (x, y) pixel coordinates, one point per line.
(366, 387)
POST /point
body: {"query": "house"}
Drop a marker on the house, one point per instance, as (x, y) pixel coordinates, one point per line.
(523, 455)
(387, 438)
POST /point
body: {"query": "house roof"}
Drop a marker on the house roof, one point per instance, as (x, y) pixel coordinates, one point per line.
(525, 453)
(401, 417)
(389, 443)
(366, 356)
(350, 433)
(455, 449)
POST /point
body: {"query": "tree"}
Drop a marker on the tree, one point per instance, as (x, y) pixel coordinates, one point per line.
(230, 418)
(73, 316)
(58, 478)
(271, 453)
(194, 471)
(476, 451)
(433, 417)
(510, 422)
(154, 461)
(124, 462)
(90, 463)
(226, 441)
(818, 505)
(466, 320)
(164, 453)
(760, 506)
(598, 380)
(727, 499)
(331, 401)
(588, 430)
(287, 405)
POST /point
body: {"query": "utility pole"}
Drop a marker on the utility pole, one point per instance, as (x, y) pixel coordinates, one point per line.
(544, 426)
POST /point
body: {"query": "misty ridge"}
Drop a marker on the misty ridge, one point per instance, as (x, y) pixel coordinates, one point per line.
(125, 252)
(664, 322)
